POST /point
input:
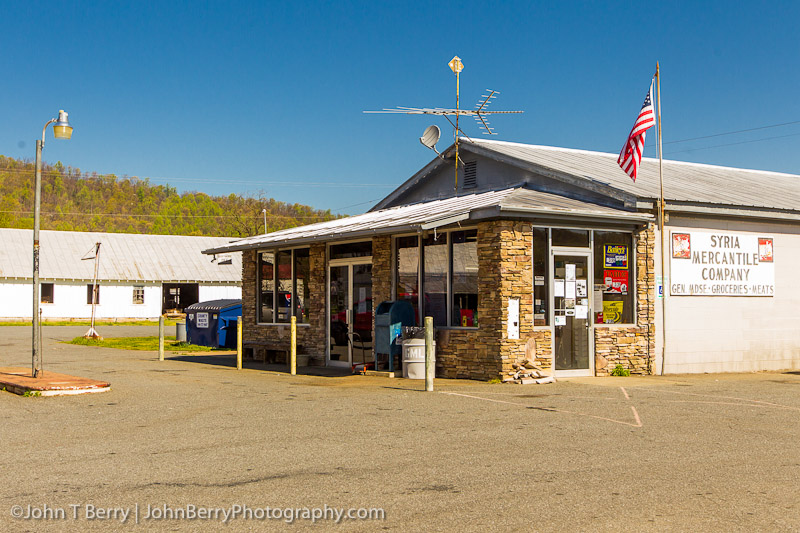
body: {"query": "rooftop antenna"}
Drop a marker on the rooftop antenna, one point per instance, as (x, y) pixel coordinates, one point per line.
(431, 137)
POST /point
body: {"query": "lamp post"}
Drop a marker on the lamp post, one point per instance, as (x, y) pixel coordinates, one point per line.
(264, 212)
(61, 130)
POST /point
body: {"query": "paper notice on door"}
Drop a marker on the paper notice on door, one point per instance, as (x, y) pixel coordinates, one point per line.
(560, 320)
(581, 289)
(558, 291)
(570, 290)
(570, 276)
(538, 280)
(570, 312)
(569, 303)
(598, 300)
(581, 312)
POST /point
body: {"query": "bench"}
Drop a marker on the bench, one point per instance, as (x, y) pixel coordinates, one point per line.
(252, 348)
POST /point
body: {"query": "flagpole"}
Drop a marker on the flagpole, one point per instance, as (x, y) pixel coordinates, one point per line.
(661, 227)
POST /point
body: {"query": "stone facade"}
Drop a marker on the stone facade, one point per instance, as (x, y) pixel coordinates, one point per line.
(505, 271)
(311, 337)
(633, 347)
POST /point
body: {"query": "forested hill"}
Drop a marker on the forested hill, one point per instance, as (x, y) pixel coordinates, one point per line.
(76, 201)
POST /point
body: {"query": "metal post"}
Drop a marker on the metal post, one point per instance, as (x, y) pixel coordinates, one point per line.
(293, 348)
(161, 338)
(430, 367)
(37, 194)
(238, 343)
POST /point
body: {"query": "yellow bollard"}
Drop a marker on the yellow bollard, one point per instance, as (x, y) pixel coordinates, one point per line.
(161, 338)
(293, 349)
(238, 343)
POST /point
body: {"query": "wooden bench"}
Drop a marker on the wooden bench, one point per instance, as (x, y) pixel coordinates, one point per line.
(252, 348)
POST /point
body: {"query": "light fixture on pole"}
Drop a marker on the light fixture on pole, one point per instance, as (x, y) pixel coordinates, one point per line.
(264, 212)
(61, 130)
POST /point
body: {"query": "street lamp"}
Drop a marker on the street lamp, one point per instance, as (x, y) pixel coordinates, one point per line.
(61, 130)
(264, 212)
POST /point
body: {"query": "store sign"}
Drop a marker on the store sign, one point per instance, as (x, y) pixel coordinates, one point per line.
(721, 264)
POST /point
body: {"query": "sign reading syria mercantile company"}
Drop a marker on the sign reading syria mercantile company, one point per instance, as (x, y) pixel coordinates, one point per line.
(721, 264)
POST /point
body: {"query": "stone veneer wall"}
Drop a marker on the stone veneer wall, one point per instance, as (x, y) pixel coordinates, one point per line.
(311, 338)
(505, 270)
(633, 347)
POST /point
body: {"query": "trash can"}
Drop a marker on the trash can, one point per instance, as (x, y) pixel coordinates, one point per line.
(180, 332)
(414, 358)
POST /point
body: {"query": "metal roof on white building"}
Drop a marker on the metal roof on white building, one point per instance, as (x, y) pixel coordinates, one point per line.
(433, 214)
(123, 257)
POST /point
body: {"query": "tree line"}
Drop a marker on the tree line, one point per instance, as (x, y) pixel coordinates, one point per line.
(76, 201)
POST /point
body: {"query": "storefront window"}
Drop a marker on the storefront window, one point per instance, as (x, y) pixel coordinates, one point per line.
(434, 282)
(571, 237)
(614, 277)
(301, 289)
(283, 279)
(350, 250)
(464, 278)
(540, 282)
(407, 271)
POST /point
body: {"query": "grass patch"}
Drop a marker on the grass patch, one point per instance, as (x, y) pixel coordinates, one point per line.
(98, 323)
(141, 343)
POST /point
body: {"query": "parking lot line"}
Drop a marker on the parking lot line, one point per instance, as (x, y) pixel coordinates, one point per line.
(638, 423)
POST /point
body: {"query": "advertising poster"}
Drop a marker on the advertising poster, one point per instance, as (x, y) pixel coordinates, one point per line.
(616, 256)
(612, 312)
(616, 281)
(721, 264)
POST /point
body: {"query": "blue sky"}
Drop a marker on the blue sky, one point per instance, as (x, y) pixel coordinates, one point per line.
(267, 97)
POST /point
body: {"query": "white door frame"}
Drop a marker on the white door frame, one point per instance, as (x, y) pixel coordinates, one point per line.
(333, 263)
(588, 255)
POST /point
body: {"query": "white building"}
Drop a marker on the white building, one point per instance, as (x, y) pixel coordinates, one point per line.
(138, 276)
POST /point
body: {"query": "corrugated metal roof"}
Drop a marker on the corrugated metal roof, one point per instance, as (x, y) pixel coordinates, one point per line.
(123, 257)
(214, 305)
(683, 182)
(431, 214)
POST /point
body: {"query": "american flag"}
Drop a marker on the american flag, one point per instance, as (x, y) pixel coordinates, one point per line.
(631, 154)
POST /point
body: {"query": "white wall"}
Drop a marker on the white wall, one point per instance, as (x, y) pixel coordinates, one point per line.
(206, 293)
(116, 301)
(736, 333)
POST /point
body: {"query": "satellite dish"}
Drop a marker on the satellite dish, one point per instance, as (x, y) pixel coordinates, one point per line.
(431, 137)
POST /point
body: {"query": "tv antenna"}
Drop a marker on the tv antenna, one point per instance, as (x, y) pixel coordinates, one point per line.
(481, 111)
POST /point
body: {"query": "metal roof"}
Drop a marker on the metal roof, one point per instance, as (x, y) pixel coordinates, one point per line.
(683, 182)
(123, 257)
(214, 305)
(436, 213)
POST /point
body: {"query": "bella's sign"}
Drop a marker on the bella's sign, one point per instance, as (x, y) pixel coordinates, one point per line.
(721, 264)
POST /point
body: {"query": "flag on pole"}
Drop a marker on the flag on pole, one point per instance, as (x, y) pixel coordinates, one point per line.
(631, 154)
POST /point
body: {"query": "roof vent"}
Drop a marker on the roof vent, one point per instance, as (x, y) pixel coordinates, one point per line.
(470, 175)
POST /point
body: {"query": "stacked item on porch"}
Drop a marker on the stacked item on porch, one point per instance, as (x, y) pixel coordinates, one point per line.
(527, 373)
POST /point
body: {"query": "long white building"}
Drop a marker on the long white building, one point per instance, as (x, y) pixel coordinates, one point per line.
(139, 276)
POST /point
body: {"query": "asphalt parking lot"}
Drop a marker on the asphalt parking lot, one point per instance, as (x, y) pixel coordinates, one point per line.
(675, 453)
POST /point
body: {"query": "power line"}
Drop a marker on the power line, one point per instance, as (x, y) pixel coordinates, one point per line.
(259, 216)
(734, 144)
(294, 183)
(735, 132)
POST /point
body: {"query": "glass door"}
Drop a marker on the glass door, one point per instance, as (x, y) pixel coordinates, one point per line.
(339, 299)
(350, 314)
(572, 314)
(361, 305)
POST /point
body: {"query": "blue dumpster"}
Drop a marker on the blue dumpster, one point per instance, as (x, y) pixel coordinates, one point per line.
(213, 323)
